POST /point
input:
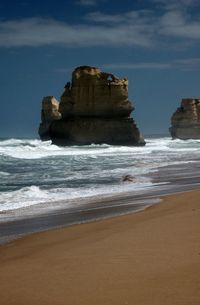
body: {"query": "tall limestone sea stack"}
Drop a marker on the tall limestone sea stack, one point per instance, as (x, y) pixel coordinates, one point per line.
(186, 120)
(94, 108)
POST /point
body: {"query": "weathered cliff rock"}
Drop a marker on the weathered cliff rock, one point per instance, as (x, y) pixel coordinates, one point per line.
(94, 108)
(95, 94)
(186, 120)
(84, 131)
(49, 114)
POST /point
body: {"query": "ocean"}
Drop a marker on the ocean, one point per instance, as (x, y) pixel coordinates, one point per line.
(33, 172)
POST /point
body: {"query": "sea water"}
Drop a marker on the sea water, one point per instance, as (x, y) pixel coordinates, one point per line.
(33, 172)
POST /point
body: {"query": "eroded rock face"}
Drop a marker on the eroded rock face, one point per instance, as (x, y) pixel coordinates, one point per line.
(186, 120)
(94, 108)
(93, 93)
(84, 131)
(49, 114)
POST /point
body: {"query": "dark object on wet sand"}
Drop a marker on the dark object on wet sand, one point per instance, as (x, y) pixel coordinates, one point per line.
(94, 108)
(128, 178)
(186, 120)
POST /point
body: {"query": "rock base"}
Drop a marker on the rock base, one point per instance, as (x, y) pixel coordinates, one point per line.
(185, 133)
(83, 131)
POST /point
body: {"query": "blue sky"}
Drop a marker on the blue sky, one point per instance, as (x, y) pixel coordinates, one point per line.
(155, 43)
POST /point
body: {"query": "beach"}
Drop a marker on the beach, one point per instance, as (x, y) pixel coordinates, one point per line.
(147, 258)
(99, 152)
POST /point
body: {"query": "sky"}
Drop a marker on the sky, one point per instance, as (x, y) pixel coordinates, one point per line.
(154, 43)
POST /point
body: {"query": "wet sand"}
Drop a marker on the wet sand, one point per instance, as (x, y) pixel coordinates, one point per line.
(147, 258)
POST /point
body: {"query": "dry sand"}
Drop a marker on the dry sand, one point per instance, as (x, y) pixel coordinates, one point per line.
(148, 258)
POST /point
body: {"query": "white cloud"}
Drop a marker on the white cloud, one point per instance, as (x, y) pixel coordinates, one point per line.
(139, 66)
(131, 17)
(185, 64)
(143, 28)
(87, 2)
(170, 24)
(99, 17)
(39, 32)
(180, 64)
(176, 4)
(188, 63)
(177, 24)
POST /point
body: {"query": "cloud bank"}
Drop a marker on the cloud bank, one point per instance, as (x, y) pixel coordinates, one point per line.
(179, 64)
(141, 28)
(185, 64)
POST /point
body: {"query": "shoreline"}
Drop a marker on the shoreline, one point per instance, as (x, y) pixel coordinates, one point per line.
(165, 167)
(145, 258)
(18, 225)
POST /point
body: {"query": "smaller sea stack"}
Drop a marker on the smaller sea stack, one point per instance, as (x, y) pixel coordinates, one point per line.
(185, 122)
(94, 108)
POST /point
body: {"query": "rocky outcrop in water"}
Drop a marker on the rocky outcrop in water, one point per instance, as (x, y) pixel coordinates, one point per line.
(49, 114)
(185, 122)
(94, 108)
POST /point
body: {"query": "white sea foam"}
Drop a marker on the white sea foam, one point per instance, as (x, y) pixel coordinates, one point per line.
(29, 196)
(34, 149)
(32, 171)
(3, 174)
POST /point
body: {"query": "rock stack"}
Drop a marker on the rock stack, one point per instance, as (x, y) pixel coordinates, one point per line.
(94, 108)
(186, 120)
(49, 114)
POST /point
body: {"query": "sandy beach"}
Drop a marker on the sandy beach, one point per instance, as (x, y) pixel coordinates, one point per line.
(147, 258)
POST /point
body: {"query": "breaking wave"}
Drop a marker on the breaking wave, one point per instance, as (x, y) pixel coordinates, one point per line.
(32, 171)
